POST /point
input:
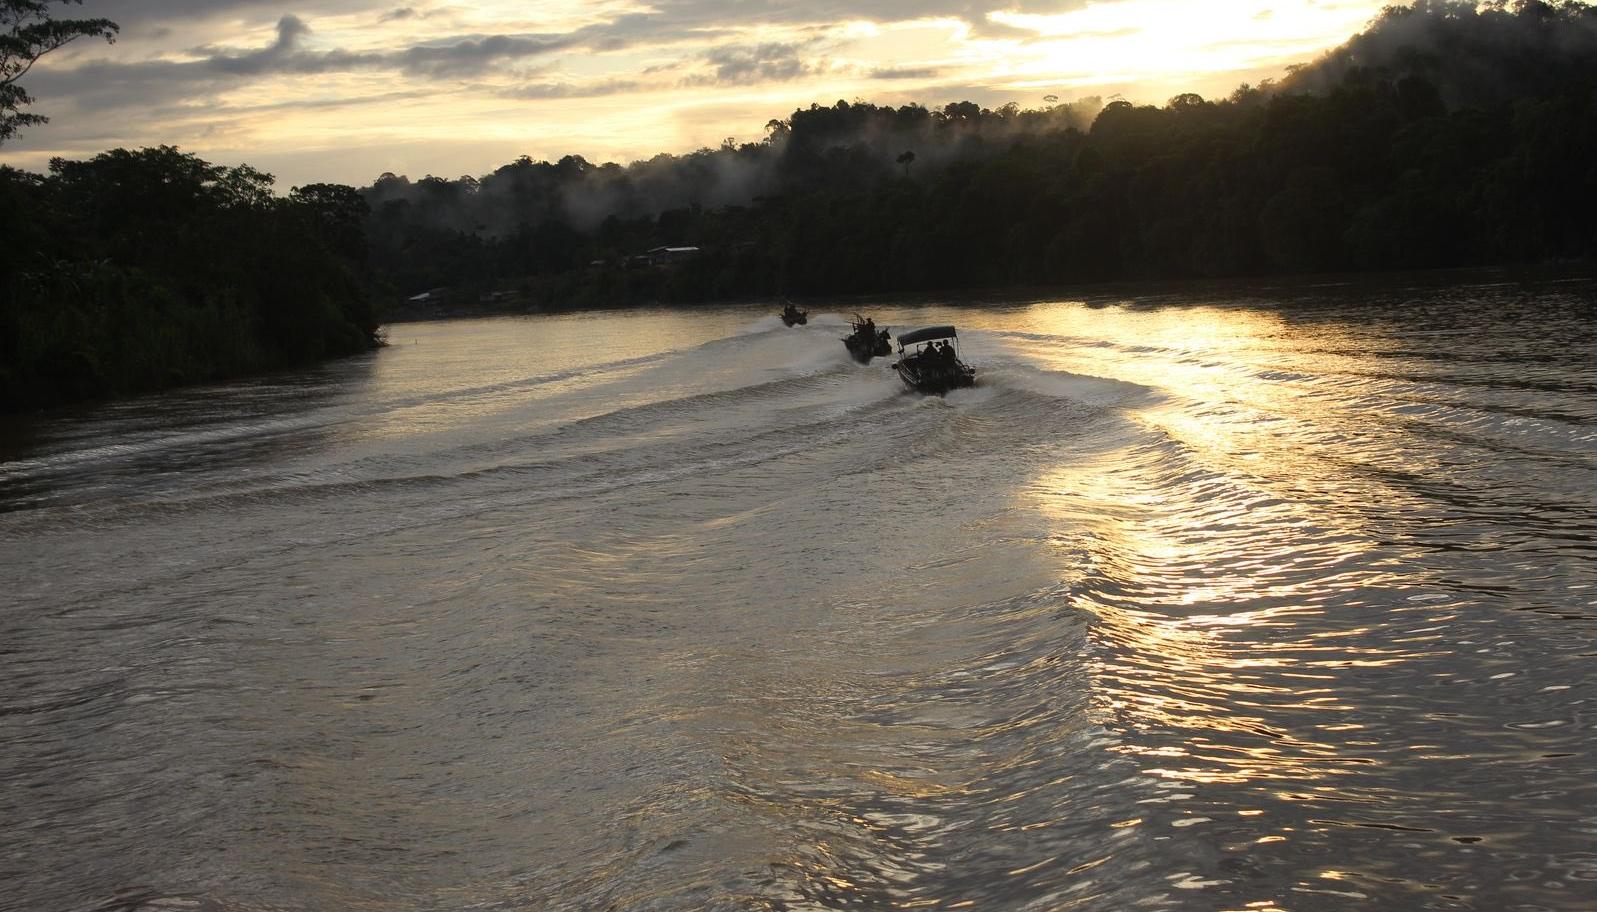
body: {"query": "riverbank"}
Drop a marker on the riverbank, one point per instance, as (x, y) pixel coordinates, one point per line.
(138, 271)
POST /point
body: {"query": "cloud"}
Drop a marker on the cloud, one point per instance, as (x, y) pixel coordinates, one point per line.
(771, 62)
(470, 55)
(151, 85)
(662, 20)
(906, 72)
(100, 84)
(132, 13)
(792, 12)
(543, 90)
(290, 29)
(212, 67)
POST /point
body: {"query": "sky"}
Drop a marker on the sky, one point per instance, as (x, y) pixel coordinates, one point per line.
(344, 90)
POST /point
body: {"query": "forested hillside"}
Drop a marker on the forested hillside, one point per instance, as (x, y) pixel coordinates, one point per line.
(1448, 134)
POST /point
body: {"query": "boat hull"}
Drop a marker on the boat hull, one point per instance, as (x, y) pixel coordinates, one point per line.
(863, 351)
(935, 380)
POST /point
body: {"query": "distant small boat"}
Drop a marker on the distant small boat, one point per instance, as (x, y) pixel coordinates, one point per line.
(928, 367)
(792, 316)
(867, 342)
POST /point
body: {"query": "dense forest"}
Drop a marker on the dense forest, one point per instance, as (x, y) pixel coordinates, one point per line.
(141, 270)
(1448, 134)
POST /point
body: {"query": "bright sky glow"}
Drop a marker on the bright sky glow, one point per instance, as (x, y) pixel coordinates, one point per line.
(346, 89)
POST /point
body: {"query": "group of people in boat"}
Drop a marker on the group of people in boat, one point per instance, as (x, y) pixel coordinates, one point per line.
(942, 352)
(867, 341)
(933, 368)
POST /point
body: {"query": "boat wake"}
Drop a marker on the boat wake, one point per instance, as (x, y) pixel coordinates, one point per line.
(1176, 608)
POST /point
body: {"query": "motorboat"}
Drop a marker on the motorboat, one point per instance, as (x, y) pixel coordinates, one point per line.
(792, 316)
(867, 342)
(928, 361)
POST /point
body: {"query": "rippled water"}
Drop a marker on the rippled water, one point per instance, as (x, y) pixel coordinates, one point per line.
(1281, 600)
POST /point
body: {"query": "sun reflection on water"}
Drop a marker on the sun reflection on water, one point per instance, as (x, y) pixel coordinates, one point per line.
(1231, 590)
(1268, 610)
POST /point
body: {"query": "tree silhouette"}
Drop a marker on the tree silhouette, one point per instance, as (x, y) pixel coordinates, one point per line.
(907, 159)
(30, 33)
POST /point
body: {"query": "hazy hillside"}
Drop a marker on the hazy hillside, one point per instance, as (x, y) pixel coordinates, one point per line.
(1444, 135)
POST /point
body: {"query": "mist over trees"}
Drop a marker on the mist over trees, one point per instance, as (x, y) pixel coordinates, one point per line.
(536, 218)
(1447, 134)
(1475, 55)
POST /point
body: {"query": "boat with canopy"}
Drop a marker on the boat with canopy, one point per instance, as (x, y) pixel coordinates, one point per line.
(929, 361)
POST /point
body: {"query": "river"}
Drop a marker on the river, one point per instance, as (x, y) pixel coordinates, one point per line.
(1261, 599)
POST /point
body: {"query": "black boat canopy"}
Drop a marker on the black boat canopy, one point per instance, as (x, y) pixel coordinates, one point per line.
(927, 335)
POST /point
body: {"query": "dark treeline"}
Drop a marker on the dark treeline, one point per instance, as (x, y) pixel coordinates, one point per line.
(536, 218)
(141, 270)
(1448, 134)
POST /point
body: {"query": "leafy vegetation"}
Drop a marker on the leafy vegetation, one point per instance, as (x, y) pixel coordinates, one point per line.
(1448, 134)
(139, 270)
(28, 32)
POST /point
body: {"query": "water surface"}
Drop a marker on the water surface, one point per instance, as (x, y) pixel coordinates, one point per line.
(1269, 600)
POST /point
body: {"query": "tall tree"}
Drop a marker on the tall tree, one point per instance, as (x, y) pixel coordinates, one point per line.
(28, 32)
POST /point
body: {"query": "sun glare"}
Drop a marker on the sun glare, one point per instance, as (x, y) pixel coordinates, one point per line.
(1159, 39)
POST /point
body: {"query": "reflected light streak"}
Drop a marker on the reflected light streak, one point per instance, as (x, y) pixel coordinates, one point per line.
(1210, 550)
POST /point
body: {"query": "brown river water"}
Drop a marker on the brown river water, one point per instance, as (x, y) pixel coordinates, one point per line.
(1278, 599)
